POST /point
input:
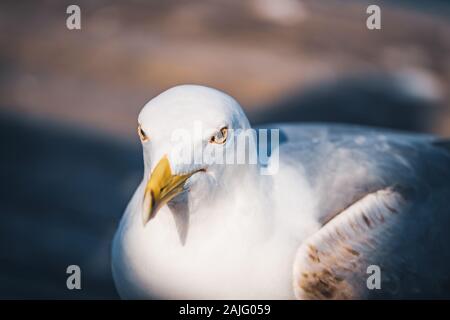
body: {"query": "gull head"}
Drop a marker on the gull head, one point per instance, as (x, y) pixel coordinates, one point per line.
(186, 134)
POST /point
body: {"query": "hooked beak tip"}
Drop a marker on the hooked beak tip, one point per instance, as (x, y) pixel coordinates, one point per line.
(161, 187)
(148, 207)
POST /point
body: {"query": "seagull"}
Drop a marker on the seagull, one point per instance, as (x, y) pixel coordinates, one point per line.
(336, 212)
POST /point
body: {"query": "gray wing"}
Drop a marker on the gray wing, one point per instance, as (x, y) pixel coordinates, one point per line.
(384, 202)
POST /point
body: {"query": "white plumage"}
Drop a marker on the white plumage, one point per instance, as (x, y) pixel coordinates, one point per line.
(343, 198)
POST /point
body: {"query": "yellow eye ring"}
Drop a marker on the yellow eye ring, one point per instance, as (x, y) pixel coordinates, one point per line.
(220, 137)
(142, 135)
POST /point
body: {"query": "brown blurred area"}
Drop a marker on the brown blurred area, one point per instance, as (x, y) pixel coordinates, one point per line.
(259, 51)
(69, 102)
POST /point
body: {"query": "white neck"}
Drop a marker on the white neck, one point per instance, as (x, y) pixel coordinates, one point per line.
(225, 246)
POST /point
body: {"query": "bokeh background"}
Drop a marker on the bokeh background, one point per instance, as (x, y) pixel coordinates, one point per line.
(69, 101)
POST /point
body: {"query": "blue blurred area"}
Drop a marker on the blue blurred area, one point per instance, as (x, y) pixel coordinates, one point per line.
(61, 196)
(69, 103)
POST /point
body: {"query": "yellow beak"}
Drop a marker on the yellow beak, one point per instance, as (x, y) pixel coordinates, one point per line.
(162, 187)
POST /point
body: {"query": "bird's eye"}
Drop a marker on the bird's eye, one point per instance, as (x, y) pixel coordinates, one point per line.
(220, 137)
(142, 134)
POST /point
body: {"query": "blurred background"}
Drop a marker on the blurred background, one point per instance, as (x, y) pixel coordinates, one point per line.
(69, 101)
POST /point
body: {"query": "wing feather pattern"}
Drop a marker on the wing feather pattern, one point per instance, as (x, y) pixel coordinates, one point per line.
(379, 230)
